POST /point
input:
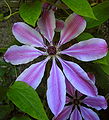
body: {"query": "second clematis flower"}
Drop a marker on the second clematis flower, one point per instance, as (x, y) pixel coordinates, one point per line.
(78, 105)
(88, 50)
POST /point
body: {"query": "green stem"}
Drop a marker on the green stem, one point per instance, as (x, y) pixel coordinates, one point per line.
(8, 6)
(11, 14)
(7, 17)
(2, 50)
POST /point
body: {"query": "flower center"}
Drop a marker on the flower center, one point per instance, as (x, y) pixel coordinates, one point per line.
(76, 102)
(51, 50)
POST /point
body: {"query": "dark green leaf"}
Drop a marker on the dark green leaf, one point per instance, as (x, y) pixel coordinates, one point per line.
(81, 7)
(105, 68)
(84, 36)
(21, 118)
(104, 63)
(101, 12)
(3, 63)
(3, 91)
(102, 80)
(1, 17)
(4, 111)
(30, 12)
(2, 71)
(104, 60)
(27, 100)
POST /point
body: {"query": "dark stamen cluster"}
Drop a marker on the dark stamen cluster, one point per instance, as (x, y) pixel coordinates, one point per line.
(76, 101)
(51, 50)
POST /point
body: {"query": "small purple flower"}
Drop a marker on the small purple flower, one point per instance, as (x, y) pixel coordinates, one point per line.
(78, 106)
(89, 50)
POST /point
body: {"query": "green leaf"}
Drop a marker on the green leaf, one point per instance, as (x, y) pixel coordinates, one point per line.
(3, 50)
(1, 17)
(21, 118)
(101, 12)
(81, 7)
(3, 92)
(102, 79)
(4, 111)
(104, 60)
(84, 36)
(27, 100)
(104, 63)
(105, 68)
(30, 12)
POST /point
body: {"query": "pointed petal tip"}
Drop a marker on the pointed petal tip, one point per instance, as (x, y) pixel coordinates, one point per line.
(88, 50)
(78, 78)
(21, 54)
(74, 26)
(56, 92)
(46, 24)
(91, 91)
(64, 115)
(98, 102)
(27, 35)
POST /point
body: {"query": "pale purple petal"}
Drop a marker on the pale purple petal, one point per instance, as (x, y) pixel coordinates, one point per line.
(79, 94)
(88, 114)
(59, 25)
(88, 50)
(91, 76)
(75, 115)
(78, 78)
(70, 89)
(68, 100)
(21, 54)
(64, 115)
(46, 24)
(56, 92)
(27, 35)
(74, 26)
(33, 75)
(98, 102)
(46, 5)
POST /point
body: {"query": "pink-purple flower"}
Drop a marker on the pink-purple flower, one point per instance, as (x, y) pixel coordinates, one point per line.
(79, 106)
(88, 50)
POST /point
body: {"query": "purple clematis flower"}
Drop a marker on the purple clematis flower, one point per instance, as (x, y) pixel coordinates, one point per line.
(78, 106)
(89, 50)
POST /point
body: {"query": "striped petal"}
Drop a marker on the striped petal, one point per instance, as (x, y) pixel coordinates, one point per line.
(74, 26)
(70, 89)
(21, 54)
(46, 24)
(64, 115)
(88, 114)
(33, 75)
(78, 78)
(27, 35)
(68, 99)
(91, 76)
(59, 25)
(88, 50)
(75, 115)
(98, 102)
(56, 92)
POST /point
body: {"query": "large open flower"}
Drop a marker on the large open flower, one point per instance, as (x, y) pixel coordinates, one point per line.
(78, 106)
(89, 50)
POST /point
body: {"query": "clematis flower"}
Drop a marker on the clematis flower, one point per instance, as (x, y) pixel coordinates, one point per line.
(89, 50)
(78, 106)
